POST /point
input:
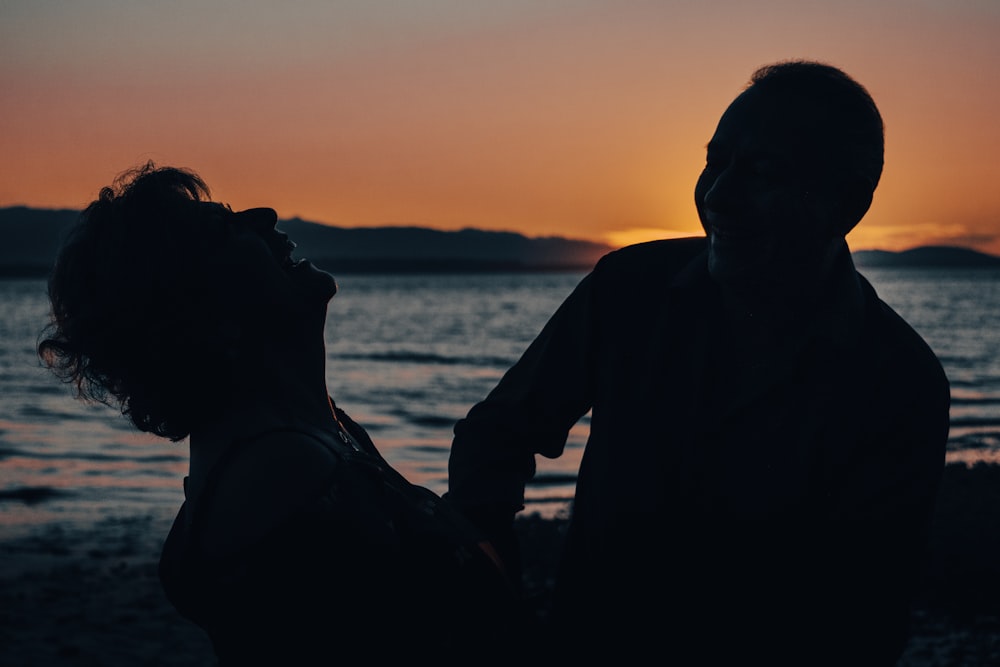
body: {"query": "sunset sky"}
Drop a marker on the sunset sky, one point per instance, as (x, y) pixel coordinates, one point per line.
(583, 119)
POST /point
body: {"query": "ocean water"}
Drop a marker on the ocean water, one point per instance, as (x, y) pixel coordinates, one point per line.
(408, 356)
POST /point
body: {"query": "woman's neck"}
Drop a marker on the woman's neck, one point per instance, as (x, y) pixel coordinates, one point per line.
(276, 389)
(251, 414)
(267, 403)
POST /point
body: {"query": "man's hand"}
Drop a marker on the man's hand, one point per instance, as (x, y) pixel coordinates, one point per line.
(497, 526)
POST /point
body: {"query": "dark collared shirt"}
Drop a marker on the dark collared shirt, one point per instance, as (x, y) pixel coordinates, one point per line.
(771, 484)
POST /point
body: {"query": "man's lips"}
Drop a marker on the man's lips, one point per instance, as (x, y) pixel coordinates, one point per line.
(726, 229)
(726, 233)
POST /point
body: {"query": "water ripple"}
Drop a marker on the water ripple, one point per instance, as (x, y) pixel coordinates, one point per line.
(410, 357)
(31, 494)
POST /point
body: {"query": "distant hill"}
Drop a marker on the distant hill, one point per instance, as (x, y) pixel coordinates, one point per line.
(344, 250)
(29, 240)
(952, 257)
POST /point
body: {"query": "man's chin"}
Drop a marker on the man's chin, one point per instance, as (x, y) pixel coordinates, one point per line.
(738, 270)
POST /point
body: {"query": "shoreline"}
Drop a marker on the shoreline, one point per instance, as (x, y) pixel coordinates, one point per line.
(91, 595)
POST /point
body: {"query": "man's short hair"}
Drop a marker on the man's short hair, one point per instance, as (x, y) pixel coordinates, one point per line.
(844, 109)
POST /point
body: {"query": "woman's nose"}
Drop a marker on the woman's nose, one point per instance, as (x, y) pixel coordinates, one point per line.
(259, 219)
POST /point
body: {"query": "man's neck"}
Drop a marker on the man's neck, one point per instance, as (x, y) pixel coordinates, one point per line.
(785, 298)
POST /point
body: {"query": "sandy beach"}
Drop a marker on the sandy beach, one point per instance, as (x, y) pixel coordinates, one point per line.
(92, 596)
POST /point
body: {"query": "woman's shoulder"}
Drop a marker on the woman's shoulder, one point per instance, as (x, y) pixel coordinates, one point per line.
(258, 485)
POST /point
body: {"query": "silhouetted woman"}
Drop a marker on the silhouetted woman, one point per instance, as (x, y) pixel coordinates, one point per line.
(196, 321)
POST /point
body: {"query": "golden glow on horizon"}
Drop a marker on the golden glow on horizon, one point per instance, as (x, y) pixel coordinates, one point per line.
(579, 119)
(639, 235)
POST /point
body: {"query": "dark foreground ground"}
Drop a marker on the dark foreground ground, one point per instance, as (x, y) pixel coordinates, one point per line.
(94, 599)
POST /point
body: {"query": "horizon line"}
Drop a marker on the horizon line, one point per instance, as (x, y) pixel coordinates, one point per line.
(606, 243)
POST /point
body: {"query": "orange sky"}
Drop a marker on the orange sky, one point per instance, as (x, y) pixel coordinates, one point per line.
(585, 119)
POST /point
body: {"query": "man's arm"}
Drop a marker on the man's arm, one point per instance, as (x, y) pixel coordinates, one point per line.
(529, 412)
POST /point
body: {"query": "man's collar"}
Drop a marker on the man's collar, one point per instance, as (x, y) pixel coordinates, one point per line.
(840, 316)
(839, 313)
(695, 274)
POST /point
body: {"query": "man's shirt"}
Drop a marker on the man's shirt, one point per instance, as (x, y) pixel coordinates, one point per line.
(732, 471)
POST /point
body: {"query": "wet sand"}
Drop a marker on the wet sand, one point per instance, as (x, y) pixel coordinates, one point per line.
(92, 597)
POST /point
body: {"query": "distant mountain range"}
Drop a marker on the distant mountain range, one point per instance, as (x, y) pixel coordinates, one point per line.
(30, 237)
(927, 257)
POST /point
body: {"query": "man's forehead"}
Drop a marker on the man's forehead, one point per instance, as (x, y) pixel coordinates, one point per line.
(782, 122)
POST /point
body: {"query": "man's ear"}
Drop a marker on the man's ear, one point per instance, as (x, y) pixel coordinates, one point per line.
(856, 192)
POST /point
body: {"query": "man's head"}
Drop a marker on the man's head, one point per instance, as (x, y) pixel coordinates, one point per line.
(790, 171)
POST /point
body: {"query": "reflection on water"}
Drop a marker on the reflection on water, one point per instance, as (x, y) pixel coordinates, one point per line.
(409, 354)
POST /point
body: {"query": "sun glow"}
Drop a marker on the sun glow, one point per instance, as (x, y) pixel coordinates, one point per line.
(624, 237)
(584, 120)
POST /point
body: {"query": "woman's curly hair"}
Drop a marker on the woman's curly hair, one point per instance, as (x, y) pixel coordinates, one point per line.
(130, 325)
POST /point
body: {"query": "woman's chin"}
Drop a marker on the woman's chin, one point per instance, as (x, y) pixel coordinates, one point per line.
(317, 285)
(326, 287)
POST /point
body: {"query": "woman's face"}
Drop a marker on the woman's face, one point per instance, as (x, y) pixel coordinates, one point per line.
(247, 264)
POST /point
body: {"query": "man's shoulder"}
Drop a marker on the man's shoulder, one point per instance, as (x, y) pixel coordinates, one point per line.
(661, 256)
(901, 347)
(890, 324)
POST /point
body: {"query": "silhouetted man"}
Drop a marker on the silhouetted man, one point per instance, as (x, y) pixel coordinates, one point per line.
(766, 435)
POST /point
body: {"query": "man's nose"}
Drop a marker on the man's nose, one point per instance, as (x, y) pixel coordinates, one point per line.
(723, 194)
